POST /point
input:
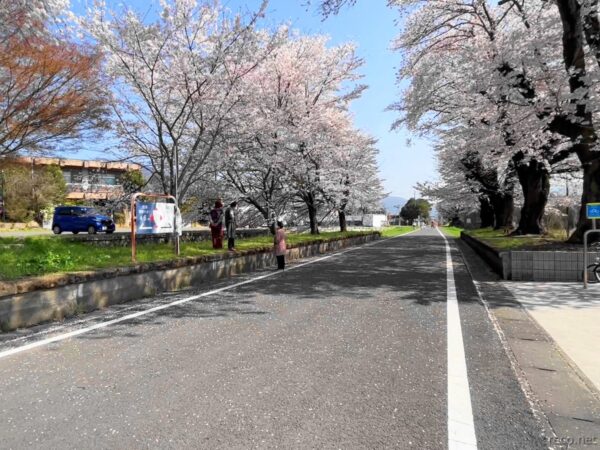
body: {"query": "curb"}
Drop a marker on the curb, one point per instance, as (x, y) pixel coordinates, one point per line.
(498, 261)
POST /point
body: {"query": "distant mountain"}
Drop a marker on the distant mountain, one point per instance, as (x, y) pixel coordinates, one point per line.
(391, 204)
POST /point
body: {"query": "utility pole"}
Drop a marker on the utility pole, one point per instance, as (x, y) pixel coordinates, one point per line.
(567, 225)
(176, 195)
(2, 190)
(399, 208)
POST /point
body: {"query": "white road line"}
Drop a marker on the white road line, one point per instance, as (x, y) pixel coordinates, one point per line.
(461, 429)
(63, 336)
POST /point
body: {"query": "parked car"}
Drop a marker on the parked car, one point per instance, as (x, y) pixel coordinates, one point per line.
(80, 218)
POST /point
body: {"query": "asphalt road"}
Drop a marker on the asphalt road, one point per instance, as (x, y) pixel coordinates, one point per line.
(345, 352)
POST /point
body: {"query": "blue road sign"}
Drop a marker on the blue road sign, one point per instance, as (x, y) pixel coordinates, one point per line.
(593, 210)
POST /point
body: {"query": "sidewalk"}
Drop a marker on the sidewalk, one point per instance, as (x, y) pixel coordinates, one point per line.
(570, 315)
(551, 332)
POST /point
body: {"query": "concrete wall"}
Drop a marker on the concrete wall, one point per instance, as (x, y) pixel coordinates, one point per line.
(26, 309)
(532, 265)
(367, 220)
(548, 266)
(498, 261)
(374, 220)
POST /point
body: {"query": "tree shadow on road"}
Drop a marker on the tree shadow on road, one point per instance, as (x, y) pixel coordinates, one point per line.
(409, 270)
(412, 269)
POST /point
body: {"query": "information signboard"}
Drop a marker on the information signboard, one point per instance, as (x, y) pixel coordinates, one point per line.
(154, 218)
(593, 210)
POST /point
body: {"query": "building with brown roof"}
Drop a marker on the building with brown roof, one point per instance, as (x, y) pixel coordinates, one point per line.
(86, 180)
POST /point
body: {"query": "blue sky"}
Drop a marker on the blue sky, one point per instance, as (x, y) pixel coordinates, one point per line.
(371, 26)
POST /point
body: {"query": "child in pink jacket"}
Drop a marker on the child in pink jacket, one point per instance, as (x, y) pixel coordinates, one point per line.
(279, 246)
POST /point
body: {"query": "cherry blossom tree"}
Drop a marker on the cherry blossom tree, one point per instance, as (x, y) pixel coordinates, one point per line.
(453, 202)
(359, 187)
(331, 7)
(175, 83)
(322, 84)
(580, 27)
(28, 17)
(255, 158)
(544, 119)
(294, 125)
(488, 73)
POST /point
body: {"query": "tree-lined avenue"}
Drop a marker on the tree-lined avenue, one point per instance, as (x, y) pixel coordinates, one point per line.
(347, 351)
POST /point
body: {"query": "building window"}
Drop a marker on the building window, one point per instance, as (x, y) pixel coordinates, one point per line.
(95, 178)
(109, 179)
(77, 176)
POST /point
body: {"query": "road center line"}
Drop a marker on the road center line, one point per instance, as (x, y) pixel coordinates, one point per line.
(461, 428)
(74, 333)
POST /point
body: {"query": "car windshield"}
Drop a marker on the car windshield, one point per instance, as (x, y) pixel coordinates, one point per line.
(87, 212)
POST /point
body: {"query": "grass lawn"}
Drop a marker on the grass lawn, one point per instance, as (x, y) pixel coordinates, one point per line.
(451, 231)
(39, 255)
(388, 232)
(498, 240)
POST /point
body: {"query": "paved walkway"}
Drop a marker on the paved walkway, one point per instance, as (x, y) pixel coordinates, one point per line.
(551, 332)
(570, 315)
(24, 233)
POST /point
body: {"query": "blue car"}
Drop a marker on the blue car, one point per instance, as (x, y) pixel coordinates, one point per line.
(80, 218)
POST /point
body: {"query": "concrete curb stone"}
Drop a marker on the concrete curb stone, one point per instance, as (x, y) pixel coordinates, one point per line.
(40, 299)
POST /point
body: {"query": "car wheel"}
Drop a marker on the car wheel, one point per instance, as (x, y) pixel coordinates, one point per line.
(110, 231)
(56, 229)
(91, 229)
(75, 232)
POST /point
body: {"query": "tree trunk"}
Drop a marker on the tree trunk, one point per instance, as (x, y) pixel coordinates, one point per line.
(264, 211)
(504, 207)
(456, 222)
(342, 217)
(580, 128)
(312, 216)
(486, 212)
(535, 182)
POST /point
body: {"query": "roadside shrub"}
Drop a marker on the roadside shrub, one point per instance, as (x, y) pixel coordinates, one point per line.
(556, 221)
(119, 218)
(28, 192)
